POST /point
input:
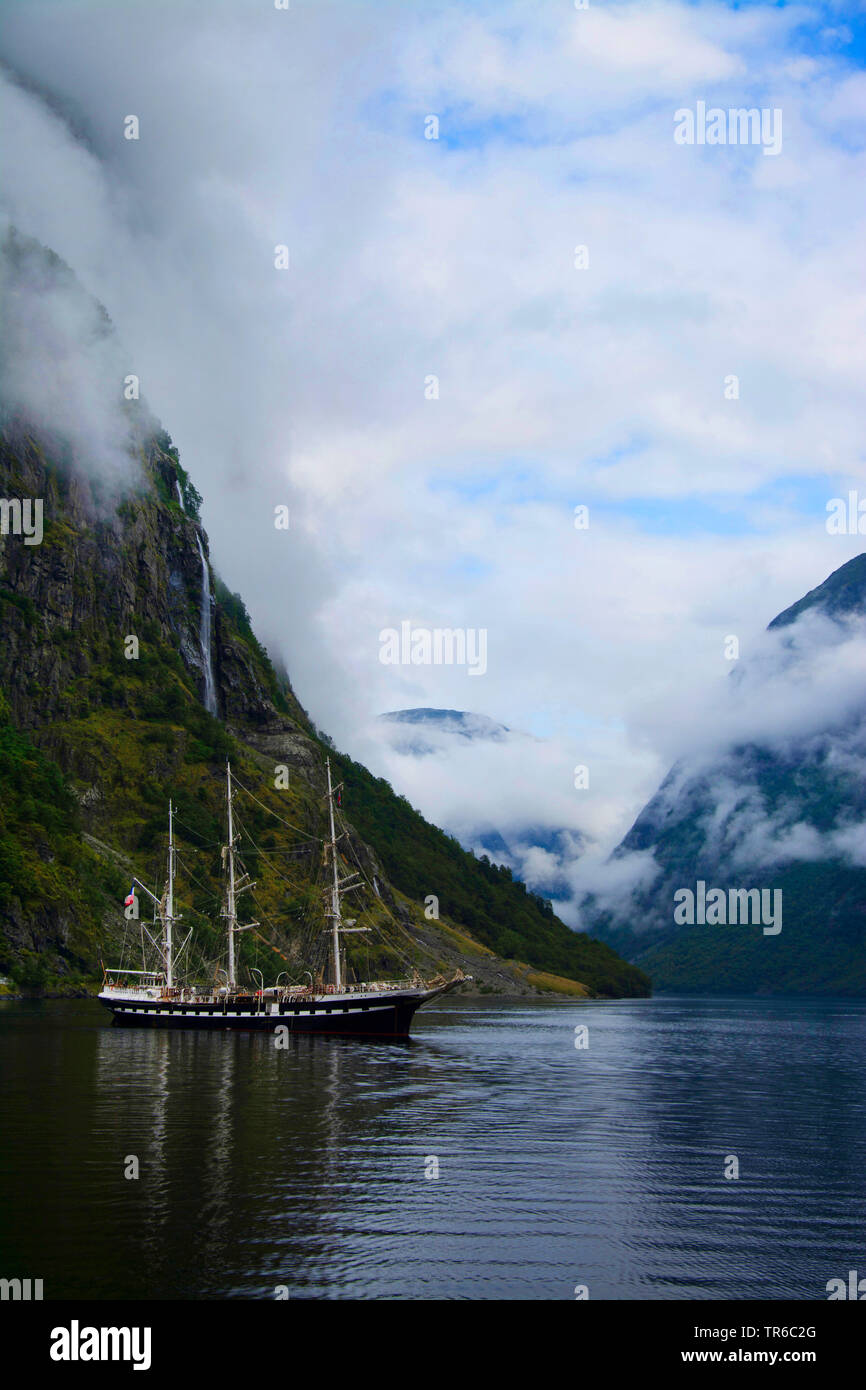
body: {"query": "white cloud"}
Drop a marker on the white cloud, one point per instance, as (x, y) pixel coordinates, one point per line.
(455, 257)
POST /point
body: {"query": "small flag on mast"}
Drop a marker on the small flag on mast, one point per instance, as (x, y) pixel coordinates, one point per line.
(130, 898)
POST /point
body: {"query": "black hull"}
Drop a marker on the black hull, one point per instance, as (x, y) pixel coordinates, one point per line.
(386, 1020)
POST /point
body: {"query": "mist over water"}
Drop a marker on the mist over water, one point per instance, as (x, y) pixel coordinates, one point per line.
(557, 1167)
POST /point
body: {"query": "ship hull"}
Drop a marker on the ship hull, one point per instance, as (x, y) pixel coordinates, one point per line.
(378, 1018)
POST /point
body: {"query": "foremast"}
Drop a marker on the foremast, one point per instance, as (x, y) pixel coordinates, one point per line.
(338, 886)
(335, 890)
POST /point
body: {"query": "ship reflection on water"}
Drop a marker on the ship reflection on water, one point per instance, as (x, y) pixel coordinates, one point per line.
(309, 1169)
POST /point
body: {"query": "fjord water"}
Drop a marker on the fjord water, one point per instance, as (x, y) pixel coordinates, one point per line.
(305, 1167)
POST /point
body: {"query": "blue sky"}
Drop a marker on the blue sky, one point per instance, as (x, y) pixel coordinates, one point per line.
(455, 257)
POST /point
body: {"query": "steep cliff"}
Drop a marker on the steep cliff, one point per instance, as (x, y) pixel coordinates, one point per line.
(779, 807)
(115, 635)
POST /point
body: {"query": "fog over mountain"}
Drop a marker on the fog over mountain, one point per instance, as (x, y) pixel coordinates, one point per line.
(769, 792)
(454, 258)
(62, 365)
(130, 675)
(446, 742)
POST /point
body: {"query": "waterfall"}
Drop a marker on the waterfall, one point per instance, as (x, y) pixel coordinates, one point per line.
(179, 495)
(210, 702)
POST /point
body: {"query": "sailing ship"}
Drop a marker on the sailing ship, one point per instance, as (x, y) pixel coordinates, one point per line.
(323, 1002)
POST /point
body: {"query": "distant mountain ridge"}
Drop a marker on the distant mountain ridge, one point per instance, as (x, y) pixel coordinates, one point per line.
(841, 595)
(423, 732)
(409, 726)
(785, 809)
(458, 720)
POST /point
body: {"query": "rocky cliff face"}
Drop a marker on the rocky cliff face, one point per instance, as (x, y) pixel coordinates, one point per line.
(74, 600)
(781, 808)
(112, 715)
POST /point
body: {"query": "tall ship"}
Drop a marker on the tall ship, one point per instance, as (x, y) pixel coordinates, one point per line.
(323, 1000)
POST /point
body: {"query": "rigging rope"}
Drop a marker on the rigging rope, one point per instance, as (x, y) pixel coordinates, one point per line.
(307, 836)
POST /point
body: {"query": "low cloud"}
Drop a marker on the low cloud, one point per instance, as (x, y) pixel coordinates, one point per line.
(771, 768)
(61, 367)
(558, 386)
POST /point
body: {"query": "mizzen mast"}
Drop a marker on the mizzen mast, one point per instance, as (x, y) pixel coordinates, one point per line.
(165, 909)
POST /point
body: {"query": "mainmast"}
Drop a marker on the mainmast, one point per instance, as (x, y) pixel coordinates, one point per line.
(335, 891)
(169, 906)
(231, 908)
(234, 887)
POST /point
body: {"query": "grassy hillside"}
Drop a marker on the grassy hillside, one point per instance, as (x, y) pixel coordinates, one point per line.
(106, 741)
(785, 813)
(102, 720)
(499, 911)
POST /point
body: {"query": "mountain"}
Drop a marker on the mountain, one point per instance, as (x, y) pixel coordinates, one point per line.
(129, 673)
(779, 806)
(538, 854)
(840, 597)
(418, 733)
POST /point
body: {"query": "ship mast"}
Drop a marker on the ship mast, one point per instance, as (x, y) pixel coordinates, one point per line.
(234, 887)
(335, 891)
(165, 909)
(169, 906)
(231, 908)
(339, 886)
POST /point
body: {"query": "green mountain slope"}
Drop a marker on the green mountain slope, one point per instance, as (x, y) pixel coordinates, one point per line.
(97, 731)
(499, 911)
(786, 812)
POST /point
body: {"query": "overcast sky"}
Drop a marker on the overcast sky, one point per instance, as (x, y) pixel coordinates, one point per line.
(454, 257)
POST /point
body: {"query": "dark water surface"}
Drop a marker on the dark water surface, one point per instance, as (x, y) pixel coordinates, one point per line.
(306, 1167)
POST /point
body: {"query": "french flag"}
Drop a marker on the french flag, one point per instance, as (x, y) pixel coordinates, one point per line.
(131, 899)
